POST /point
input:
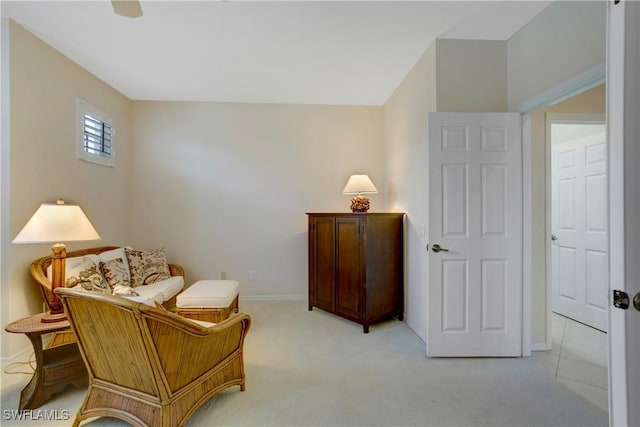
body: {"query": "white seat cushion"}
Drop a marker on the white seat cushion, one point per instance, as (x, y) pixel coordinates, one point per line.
(163, 290)
(149, 293)
(169, 287)
(208, 294)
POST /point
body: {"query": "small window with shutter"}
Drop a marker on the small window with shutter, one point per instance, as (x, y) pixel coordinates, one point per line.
(96, 135)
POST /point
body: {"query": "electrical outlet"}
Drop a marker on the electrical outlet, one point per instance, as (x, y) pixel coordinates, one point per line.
(223, 275)
(253, 275)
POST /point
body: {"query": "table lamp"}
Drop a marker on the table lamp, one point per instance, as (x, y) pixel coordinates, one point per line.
(55, 223)
(359, 184)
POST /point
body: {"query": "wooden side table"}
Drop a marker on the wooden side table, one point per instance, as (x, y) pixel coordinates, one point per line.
(56, 367)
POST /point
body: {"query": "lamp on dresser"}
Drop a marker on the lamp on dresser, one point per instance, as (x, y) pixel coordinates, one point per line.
(56, 223)
(359, 184)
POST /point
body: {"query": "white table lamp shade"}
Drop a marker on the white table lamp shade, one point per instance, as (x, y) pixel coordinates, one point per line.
(57, 223)
(359, 184)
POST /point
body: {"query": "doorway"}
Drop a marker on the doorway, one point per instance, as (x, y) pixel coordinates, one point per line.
(579, 225)
(576, 244)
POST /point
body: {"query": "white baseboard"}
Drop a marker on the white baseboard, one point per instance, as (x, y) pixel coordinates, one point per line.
(539, 346)
(273, 297)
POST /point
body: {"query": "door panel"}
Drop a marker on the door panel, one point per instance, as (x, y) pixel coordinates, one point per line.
(494, 293)
(454, 200)
(596, 275)
(494, 200)
(475, 211)
(579, 266)
(455, 286)
(349, 262)
(567, 277)
(323, 255)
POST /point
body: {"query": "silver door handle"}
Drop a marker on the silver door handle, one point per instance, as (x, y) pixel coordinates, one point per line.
(553, 237)
(436, 248)
(621, 300)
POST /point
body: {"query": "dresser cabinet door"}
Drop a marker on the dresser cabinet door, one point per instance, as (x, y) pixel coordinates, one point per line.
(322, 263)
(349, 267)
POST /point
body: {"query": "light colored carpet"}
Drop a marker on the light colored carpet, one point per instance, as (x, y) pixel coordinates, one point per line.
(314, 369)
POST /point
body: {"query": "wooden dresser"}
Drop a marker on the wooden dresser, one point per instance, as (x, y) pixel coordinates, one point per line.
(356, 265)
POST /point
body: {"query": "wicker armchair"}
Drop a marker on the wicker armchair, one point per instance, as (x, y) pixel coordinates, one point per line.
(148, 366)
(38, 271)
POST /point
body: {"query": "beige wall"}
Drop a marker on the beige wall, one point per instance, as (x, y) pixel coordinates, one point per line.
(563, 41)
(405, 149)
(589, 102)
(471, 75)
(225, 187)
(4, 175)
(43, 166)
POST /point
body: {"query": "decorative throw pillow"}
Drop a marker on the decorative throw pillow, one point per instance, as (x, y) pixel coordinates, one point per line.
(88, 277)
(114, 272)
(147, 267)
(115, 254)
(70, 264)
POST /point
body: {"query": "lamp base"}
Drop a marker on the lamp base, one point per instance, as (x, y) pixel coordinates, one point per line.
(58, 259)
(52, 318)
(360, 204)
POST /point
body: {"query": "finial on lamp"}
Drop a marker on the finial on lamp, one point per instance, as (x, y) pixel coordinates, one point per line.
(359, 184)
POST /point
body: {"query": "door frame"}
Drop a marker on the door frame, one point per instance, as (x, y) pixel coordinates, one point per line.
(552, 118)
(527, 225)
(568, 89)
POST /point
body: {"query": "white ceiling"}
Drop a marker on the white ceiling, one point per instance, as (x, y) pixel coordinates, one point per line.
(314, 52)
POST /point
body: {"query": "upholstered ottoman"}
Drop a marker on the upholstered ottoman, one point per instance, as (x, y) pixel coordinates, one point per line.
(209, 300)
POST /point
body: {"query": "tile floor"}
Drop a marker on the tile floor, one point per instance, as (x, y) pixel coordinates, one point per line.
(578, 359)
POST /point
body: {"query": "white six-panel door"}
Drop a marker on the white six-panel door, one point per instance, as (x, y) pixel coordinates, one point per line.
(579, 266)
(623, 111)
(475, 212)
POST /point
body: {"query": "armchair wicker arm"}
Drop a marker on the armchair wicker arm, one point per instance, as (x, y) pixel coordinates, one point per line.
(187, 349)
